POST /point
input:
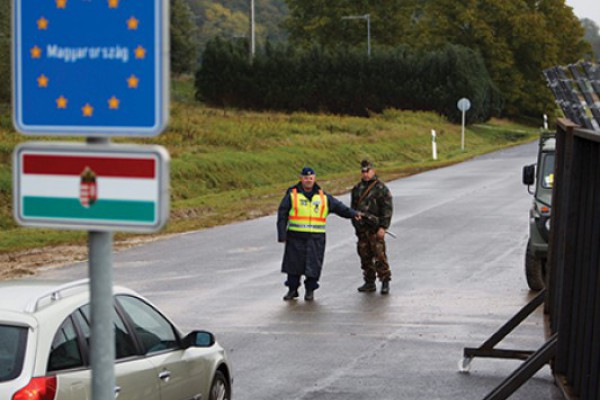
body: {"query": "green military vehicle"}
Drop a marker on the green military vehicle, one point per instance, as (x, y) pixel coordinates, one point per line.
(542, 180)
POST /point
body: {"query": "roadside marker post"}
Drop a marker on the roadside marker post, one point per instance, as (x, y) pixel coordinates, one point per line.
(433, 145)
(97, 69)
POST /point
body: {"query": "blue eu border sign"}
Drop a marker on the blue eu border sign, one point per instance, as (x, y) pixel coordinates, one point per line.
(90, 67)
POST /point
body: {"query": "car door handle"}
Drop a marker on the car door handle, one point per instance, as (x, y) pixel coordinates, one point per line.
(164, 375)
(117, 391)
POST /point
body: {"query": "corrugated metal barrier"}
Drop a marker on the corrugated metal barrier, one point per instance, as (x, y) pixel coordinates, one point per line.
(573, 298)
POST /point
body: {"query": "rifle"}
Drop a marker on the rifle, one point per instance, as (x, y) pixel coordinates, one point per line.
(373, 222)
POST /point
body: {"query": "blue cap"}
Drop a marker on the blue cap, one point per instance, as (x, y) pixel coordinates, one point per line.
(307, 171)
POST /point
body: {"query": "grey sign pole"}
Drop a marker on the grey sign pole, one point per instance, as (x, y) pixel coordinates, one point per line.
(101, 302)
(102, 350)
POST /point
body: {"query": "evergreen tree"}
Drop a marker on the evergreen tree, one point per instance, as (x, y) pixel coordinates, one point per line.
(184, 38)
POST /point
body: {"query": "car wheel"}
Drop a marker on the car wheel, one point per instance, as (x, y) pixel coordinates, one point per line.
(534, 270)
(220, 390)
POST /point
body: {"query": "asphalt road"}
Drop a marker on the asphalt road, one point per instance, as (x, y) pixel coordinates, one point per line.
(457, 267)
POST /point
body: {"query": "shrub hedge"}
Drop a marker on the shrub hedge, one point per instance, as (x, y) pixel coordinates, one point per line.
(346, 81)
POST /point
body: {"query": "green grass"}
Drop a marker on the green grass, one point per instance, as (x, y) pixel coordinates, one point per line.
(230, 165)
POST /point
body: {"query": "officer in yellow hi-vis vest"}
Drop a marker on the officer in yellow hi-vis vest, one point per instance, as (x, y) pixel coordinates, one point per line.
(301, 221)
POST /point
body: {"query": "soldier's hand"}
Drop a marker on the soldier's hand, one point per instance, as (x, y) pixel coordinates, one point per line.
(380, 233)
(358, 216)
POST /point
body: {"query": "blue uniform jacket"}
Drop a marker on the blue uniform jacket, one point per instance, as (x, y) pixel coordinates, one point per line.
(304, 251)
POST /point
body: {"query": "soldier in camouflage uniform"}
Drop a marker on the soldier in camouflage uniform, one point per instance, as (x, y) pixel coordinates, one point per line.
(373, 200)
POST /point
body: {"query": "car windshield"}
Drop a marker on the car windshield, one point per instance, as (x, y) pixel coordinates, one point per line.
(12, 351)
(547, 171)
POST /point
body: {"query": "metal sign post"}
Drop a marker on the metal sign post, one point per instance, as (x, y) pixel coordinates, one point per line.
(101, 304)
(102, 340)
(463, 105)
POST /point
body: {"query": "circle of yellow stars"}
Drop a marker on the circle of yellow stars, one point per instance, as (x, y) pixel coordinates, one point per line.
(62, 102)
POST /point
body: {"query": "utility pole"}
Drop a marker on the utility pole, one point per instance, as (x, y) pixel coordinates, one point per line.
(252, 31)
(366, 17)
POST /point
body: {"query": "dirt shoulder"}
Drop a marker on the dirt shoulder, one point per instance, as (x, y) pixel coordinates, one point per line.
(31, 262)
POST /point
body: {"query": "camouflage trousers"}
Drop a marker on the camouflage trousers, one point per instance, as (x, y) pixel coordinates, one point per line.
(373, 260)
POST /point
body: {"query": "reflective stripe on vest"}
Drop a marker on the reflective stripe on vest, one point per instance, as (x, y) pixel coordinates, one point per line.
(307, 216)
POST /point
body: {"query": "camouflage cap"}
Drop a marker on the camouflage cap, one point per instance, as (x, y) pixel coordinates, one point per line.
(366, 165)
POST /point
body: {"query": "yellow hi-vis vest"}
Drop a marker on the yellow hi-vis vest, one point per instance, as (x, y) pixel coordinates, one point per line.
(307, 216)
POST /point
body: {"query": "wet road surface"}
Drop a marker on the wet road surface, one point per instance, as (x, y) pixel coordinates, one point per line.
(457, 267)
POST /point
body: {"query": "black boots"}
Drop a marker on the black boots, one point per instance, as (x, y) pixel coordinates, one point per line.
(291, 294)
(385, 287)
(309, 295)
(368, 287)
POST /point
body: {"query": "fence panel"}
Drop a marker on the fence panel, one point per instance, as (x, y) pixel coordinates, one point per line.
(573, 301)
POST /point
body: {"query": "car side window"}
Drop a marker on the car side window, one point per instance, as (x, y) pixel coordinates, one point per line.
(153, 330)
(124, 344)
(13, 340)
(65, 352)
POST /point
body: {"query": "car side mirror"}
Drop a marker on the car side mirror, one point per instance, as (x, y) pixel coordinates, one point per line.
(529, 174)
(199, 339)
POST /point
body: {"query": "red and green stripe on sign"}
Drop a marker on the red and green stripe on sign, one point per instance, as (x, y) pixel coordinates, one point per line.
(127, 187)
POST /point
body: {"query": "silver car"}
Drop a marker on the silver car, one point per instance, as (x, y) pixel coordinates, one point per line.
(44, 348)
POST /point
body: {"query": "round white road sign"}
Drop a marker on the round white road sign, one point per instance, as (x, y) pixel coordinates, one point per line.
(464, 104)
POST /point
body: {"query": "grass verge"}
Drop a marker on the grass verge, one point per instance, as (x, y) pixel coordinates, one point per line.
(231, 165)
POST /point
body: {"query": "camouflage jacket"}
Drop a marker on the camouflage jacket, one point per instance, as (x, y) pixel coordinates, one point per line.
(377, 203)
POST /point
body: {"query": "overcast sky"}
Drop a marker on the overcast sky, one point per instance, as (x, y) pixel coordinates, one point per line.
(586, 9)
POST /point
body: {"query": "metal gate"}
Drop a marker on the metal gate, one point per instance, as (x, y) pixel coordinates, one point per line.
(573, 298)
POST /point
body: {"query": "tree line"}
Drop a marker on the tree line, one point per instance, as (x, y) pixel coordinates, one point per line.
(344, 80)
(516, 39)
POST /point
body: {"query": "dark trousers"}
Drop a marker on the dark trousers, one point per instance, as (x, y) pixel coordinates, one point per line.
(293, 282)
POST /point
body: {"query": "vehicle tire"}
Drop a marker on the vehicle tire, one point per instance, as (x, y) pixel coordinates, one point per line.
(534, 270)
(220, 389)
